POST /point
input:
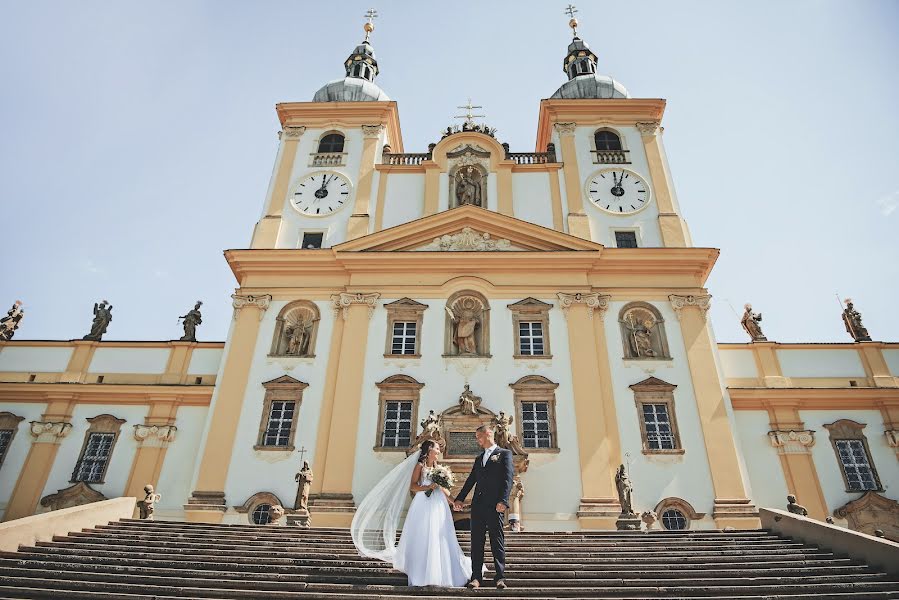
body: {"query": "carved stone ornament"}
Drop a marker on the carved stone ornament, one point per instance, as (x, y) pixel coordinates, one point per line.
(794, 507)
(372, 131)
(49, 431)
(892, 437)
(75, 495)
(242, 301)
(751, 322)
(147, 506)
(870, 512)
(468, 240)
(648, 128)
(792, 442)
(344, 300)
(293, 133)
(681, 302)
(594, 301)
(565, 128)
(155, 436)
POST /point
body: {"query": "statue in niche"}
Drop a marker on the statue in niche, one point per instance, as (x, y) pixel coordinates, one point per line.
(640, 324)
(298, 333)
(102, 317)
(469, 402)
(190, 322)
(853, 321)
(750, 323)
(625, 491)
(465, 319)
(468, 181)
(304, 479)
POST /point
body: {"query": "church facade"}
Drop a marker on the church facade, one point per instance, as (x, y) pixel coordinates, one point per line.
(389, 297)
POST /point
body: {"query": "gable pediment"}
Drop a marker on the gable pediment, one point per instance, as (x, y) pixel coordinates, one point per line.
(468, 229)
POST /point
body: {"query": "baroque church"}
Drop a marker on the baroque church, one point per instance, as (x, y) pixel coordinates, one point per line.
(391, 296)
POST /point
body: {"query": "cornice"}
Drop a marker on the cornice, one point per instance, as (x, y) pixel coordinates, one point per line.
(345, 114)
(618, 111)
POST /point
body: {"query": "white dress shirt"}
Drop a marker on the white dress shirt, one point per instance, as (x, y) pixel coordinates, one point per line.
(487, 454)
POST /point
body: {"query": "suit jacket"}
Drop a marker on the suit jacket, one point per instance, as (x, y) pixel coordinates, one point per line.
(493, 480)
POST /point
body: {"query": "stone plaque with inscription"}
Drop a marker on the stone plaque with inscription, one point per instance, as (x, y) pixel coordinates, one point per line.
(462, 443)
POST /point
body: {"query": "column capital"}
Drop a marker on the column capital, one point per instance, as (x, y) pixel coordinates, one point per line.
(648, 128)
(157, 436)
(892, 437)
(344, 300)
(291, 133)
(372, 131)
(593, 300)
(565, 128)
(702, 302)
(261, 302)
(49, 431)
(792, 441)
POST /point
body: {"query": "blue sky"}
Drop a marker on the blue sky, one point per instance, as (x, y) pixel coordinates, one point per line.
(137, 139)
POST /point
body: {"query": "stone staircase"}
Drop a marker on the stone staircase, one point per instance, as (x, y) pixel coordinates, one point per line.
(132, 559)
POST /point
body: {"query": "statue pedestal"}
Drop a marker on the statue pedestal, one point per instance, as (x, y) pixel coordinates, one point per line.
(299, 518)
(628, 522)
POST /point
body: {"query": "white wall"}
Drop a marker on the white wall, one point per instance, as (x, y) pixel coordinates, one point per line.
(205, 361)
(820, 363)
(175, 478)
(129, 360)
(18, 450)
(769, 488)
(404, 198)
(890, 356)
(532, 198)
(35, 359)
(738, 363)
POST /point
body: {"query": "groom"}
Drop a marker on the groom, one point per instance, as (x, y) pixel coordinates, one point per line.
(492, 472)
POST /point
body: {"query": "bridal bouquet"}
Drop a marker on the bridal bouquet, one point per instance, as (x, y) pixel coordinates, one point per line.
(443, 476)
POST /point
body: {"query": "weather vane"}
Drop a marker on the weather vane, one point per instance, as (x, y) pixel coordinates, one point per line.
(469, 116)
(371, 14)
(571, 10)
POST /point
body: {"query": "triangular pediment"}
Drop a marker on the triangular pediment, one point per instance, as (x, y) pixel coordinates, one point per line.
(653, 383)
(466, 229)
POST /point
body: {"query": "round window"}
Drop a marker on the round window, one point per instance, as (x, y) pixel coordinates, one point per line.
(673, 519)
(261, 514)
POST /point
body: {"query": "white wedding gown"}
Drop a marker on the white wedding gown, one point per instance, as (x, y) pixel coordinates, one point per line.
(428, 551)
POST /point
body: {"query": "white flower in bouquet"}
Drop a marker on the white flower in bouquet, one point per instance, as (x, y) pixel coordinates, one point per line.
(443, 476)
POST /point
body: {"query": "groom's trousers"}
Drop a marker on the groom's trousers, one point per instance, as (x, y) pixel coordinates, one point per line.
(486, 520)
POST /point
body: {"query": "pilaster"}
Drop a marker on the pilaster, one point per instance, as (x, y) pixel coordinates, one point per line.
(672, 226)
(578, 225)
(359, 221)
(266, 233)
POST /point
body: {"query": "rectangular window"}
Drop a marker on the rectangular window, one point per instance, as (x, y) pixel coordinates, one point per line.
(280, 420)
(530, 338)
(658, 427)
(856, 466)
(5, 439)
(312, 240)
(397, 424)
(535, 425)
(403, 341)
(96, 454)
(626, 239)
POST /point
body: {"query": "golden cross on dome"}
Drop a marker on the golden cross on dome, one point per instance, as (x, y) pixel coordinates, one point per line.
(571, 10)
(369, 26)
(469, 116)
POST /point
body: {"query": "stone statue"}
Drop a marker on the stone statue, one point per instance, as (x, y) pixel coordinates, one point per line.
(304, 478)
(191, 320)
(10, 322)
(829, 520)
(102, 317)
(625, 491)
(649, 517)
(147, 506)
(468, 188)
(430, 425)
(796, 509)
(465, 325)
(853, 321)
(275, 514)
(469, 402)
(502, 427)
(640, 335)
(515, 497)
(750, 323)
(298, 336)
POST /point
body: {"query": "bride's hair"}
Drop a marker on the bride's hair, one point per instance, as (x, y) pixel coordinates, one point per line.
(425, 448)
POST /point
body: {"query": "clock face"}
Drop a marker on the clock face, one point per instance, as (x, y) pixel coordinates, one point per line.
(321, 194)
(618, 191)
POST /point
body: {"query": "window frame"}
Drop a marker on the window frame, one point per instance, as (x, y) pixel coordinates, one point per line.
(656, 391)
(397, 388)
(9, 422)
(305, 232)
(624, 152)
(101, 424)
(326, 134)
(282, 389)
(682, 506)
(633, 232)
(536, 388)
(849, 430)
(404, 310)
(530, 310)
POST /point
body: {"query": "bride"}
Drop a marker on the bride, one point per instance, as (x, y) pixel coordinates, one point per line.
(428, 551)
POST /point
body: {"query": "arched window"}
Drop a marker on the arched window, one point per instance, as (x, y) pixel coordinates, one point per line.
(333, 142)
(676, 514)
(673, 519)
(607, 140)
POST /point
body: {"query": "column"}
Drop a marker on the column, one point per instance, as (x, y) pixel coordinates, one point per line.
(48, 433)
(674, 230)
(504, 189)
(597, 428)
(359, 220)
(334, 506)
(793, 443)
(732, 508)
(769, 365)
(153, 439)
(178, 363)
(578, 225)
(266, 233)
(876, 367)
(79, 362)
(207, 502)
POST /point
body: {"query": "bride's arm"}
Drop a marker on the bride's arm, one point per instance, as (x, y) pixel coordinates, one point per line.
(416, 477)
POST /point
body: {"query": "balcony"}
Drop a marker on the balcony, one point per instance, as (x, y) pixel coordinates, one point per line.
(327, 159)
(611, 157)
(411, 158)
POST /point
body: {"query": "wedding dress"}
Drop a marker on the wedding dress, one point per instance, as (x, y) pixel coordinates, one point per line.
(428, 551)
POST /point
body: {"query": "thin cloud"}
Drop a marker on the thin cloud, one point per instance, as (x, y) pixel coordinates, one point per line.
(89, 266)
(888, 204)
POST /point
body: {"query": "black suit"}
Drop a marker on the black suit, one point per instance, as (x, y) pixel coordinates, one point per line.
(494, 482)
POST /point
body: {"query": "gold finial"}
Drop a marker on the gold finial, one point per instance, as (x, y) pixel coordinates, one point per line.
(571, 10)
(369, 26)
